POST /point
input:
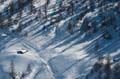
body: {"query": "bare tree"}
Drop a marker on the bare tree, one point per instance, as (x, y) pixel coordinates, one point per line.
(45, 8)
(12, 70)
(27, 72)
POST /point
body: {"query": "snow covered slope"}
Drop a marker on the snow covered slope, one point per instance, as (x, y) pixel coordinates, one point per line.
(60, 39)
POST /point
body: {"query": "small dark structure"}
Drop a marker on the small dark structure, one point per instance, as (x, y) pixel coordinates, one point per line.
(20, 52)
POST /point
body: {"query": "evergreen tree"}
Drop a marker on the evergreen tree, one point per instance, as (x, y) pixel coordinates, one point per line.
(107, 35)
(31, 6)
(20, 9)
(70, 8)
(11, 8)
(116, 71)
(97, 46)
(70, 28)
(91, 5)
(108, 68)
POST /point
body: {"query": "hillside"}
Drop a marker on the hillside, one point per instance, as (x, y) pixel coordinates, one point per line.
(59, 39)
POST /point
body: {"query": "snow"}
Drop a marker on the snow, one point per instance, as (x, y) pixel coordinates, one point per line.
(54, 53)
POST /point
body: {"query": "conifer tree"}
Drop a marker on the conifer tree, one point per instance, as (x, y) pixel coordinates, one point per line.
(108, 68)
